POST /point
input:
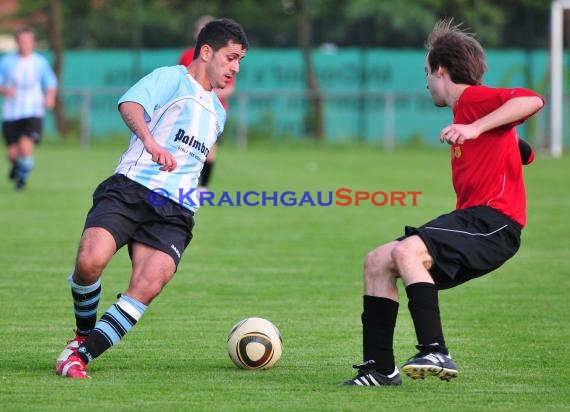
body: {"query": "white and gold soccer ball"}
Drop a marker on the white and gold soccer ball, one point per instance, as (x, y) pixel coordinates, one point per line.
(254, 343)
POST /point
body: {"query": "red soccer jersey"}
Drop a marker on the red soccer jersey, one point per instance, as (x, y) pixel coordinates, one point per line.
(488, 170)
(186, 57)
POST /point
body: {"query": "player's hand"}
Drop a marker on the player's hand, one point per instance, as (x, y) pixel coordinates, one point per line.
(458, 133)
(49, 102)
(8, 91)
(161, 156)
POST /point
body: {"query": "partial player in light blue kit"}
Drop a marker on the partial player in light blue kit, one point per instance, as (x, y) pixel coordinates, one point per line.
(29, 86)
(149, 202)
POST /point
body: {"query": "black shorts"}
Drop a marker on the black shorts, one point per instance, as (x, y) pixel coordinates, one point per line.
(122, 207)
(13, 130)
(467, 243)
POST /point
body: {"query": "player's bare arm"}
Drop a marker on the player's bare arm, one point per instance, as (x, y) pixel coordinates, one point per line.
(49, 100)
(133, 116)
(7, 91)
(513, 110)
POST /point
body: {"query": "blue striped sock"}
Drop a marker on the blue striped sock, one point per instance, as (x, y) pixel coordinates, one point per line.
(112, 327)
(24, 166)
(85, 304)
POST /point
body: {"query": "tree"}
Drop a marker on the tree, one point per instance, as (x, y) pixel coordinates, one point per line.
(56, 41)
(315, 118)
(402, 23)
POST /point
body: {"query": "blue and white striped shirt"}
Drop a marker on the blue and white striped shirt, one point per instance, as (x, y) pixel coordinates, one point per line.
(30, 77)
(183, 118)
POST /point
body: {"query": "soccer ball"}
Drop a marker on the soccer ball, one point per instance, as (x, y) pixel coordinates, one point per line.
(254, 343)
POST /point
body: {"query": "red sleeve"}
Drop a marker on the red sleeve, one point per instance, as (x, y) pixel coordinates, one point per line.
(186, 57)
(508, 94)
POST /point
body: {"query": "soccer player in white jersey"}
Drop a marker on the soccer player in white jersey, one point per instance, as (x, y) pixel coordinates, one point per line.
(29, 86)
(149, 203)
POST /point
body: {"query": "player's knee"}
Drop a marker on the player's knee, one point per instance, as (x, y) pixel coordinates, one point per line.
(411, 250)
(88, 268)
(146, 290)
(401, 253)
(376, 264)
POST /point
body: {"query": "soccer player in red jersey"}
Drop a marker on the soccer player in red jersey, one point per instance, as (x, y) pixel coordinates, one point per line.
(481, 234)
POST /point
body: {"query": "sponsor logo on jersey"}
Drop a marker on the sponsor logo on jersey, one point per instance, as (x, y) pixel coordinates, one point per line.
(191, 142)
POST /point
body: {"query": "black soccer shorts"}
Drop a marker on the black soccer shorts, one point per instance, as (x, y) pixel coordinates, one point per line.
(467, 243)
(13, 130)
(122, 206)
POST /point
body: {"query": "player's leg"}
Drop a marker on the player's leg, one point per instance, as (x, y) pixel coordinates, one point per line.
(11, 134)
(24, 161)
(30, 135)
(12, 155)
(152, 270)
(96, 248)
(463, 245)
(380, 309)
(413, 261)
(109, 225)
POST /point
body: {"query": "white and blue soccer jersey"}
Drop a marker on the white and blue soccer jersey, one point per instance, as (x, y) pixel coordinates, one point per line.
(30, 77)
(183, 118)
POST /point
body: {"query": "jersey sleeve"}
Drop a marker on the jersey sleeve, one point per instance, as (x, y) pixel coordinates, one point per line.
(186, 57)
(153, 90)
(3, 69)
(48, 78)
(508, 94)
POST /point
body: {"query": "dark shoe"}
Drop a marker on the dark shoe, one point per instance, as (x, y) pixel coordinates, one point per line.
(368, 376)
(20, 185)
(430, 361)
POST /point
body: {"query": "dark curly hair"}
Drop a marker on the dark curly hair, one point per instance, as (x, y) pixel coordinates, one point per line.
(218, 33)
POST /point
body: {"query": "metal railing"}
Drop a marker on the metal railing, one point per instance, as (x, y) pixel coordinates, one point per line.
(373, 114)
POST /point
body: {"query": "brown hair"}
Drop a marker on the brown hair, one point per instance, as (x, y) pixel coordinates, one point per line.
(22, 30)
(457, 51)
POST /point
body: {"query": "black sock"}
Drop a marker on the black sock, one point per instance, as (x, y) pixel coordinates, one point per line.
(424, 308)
(93, 346)
(114, 324)
(206, 173)
(97, 343)
(85, 304)
(378, 323)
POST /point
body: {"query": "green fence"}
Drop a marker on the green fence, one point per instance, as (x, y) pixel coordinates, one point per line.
(369, 94)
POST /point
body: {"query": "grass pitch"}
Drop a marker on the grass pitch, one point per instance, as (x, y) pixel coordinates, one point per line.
(298, 266)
